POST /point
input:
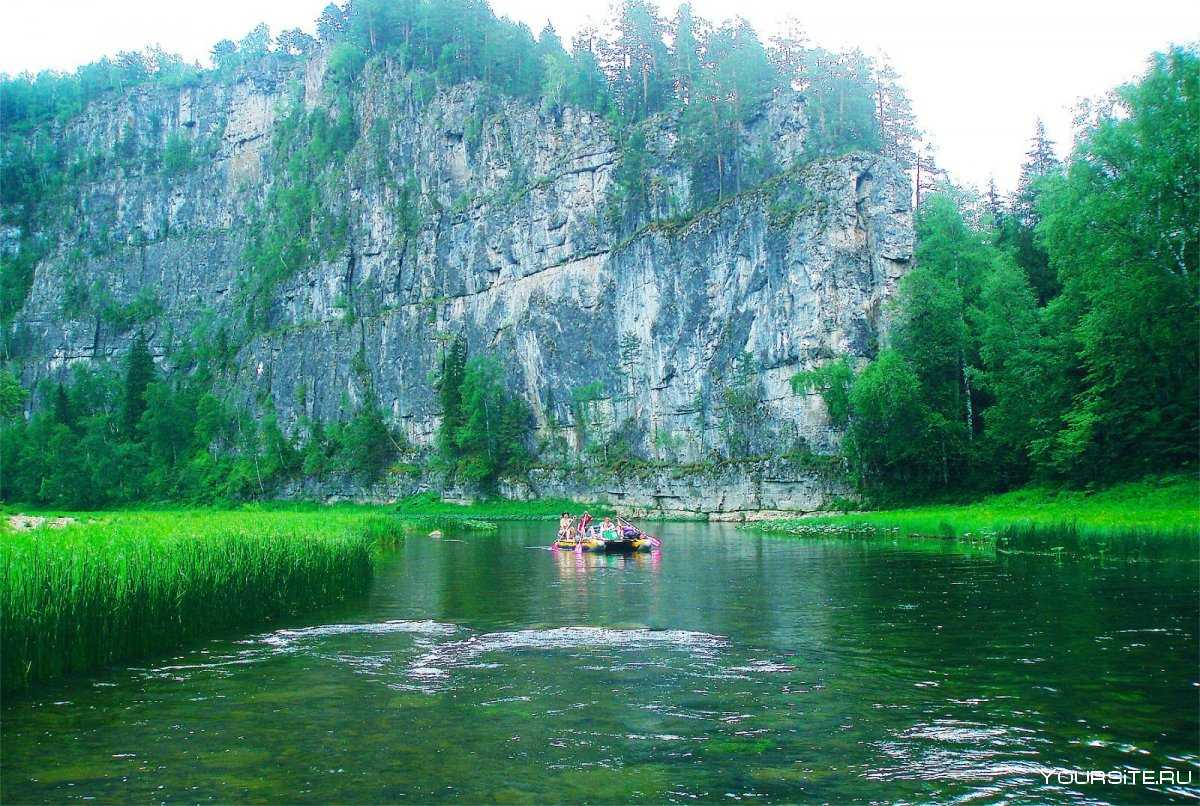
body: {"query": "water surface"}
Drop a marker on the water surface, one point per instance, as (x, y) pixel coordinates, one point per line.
(731, 666)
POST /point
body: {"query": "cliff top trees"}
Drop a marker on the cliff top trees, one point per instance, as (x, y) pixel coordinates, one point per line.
(838, 93)
(636, 59)
(897, 124)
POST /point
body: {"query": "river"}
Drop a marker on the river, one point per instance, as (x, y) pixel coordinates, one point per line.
(730, 666)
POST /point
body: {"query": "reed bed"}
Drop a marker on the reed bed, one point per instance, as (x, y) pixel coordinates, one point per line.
(1156, 518)
(1129, 544)
(125, 585)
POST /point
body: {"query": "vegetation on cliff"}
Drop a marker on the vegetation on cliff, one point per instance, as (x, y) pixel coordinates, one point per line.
(710, 79)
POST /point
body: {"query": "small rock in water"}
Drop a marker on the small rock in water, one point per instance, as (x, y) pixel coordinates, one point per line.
(436, 533)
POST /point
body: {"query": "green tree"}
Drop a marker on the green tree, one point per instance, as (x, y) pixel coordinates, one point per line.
(177, 154)
(367, 445)
(12, 395)
(685, 53)
(491, 439)
(449, 388)
(139, 374)
(1122, 230)
(1017, 230)
(898, 130)
(890, 426)
(833, 382)
(637, 63)
(1013, 372)
(840, 103)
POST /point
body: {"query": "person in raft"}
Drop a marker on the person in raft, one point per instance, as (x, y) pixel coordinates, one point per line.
(564, 526)
(584, 522)
(608, 529)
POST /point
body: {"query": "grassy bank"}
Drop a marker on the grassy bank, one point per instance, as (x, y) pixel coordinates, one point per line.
(429, 505)
(121, 585)
(1152, 518)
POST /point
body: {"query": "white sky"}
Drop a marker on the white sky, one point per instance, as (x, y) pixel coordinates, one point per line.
(978, 73)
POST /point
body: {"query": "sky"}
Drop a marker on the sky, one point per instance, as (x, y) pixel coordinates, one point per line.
(979, 74)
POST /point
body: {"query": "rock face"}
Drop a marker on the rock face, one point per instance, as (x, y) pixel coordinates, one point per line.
(461, 212)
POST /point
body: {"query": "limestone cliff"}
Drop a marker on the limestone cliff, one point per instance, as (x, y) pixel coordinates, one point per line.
(457, 211)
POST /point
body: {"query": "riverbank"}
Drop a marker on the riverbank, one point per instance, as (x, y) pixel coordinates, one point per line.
(1151, 518)
(429, 505)
(120, 585)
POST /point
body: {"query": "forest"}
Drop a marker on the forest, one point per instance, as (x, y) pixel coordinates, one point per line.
(1050, 336)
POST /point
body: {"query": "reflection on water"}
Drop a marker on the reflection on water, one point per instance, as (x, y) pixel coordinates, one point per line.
(730, 666)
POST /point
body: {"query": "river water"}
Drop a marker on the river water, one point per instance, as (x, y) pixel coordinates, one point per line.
(730, 666)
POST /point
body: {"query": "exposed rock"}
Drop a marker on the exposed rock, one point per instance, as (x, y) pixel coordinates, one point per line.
(24, 523)
(515, 248)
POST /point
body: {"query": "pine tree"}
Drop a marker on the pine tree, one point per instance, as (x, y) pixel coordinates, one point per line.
(12, 395)
(549, 41)
(995, 202)
(449, 387)
(685, 53)
(62, 406)
(928, 173)
(636, 61)
(897, 123)
(139, 373)
(789, 53)
(1040, 161)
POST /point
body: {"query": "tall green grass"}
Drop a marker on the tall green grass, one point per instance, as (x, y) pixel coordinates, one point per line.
(1156, 518)
(123, 585)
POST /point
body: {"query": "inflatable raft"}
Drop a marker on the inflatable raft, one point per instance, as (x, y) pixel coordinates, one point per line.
(630, 539)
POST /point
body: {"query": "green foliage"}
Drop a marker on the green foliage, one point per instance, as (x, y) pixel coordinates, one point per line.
(102, 440)
(16, 279)
(12, 395)
(29, 100)
(1122, 229)
(177, 154)
(143, 308)
(139, 373)
(832, 381)
(725, 88)
(298, 223)
(1012, 371)
(491, 440)
(346, 61)
(891, 425)
(484, 429)
(366, 445)
(449, 388)
(840, 103)
(997, 376)
(631, 197)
